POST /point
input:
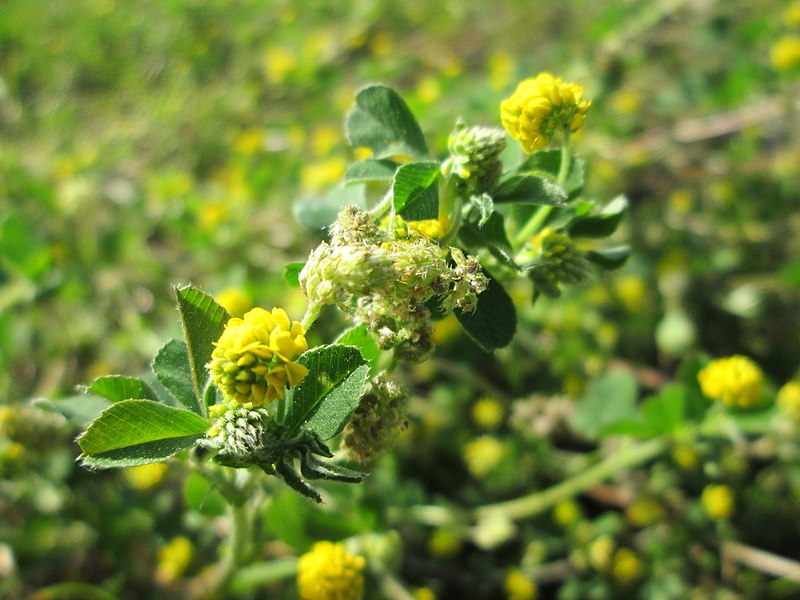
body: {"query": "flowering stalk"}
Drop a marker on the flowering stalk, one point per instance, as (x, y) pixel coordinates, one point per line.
(539, 217)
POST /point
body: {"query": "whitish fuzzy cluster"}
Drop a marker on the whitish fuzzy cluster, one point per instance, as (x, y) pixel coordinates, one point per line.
(329, 572)
(539, 107)
(474, 157)
(560, 262)
(377, 422)
(237, 428)
(253, 360)
(387, 283)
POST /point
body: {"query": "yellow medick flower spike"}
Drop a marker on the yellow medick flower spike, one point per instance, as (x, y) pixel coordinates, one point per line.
(539, 107)
(736, 381)
(329, 572)
(717, 501)
(253, 360)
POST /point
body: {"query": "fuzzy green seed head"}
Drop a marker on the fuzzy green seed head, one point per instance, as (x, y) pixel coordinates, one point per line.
(560, 262)
(474, 157)
(237, 429)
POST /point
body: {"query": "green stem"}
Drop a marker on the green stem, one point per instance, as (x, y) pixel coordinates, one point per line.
(450, 205)
(629, 456)
(539, 217)
(312, 312)
(257, 575)
(237, 551)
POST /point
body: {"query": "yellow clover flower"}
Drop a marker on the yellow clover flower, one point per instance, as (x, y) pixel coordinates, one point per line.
(736, 381)
(173, 559)
(717, 501)
(253, 360)
(518, 586)
(329, 572)
(539, 107)
(785, 53)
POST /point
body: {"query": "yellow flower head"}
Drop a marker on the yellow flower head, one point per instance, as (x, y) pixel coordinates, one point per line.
(254, 357)
(444, 543)
(174, 559)
(145, 477)
(626, 567)
(519, 586)
(539, 107)
(789, 400)
(717, 501)
(329, 572)
(785, 53)
(488, 413)
(736, 381)
(483, 454)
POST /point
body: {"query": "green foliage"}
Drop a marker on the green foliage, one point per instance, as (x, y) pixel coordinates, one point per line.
(415, 194)
(493, 323)
(322, 403)
(382, 122)
(173, 370)
(137, 432)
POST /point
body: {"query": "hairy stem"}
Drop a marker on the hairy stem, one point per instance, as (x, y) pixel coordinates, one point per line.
(539, 217)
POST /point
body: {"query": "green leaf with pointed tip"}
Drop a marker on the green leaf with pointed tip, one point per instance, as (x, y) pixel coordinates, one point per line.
(359, 337)
(203, 321)
(610, 258)
(601, 224)
(382, 122)
(664, 413)
(548, 163)
(329, 368)
(368, 170)
(335, 408)
(172, 368)
(315, 213)
(120, 387)
(291, 272)
(136, 432)
(530, 189)
(494, 322)
(415, 192)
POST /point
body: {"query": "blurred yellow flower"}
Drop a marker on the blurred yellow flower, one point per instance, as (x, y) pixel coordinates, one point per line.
(144, 477)
(789, 400)
(482, 455)
(235, 300)
(519, 586)
(428, 90)
(329, 572)
(685, 457)
(324, 139)
(253, 360)
(278, 63)
(173, 559)
(717, 501)
(539, 107)
(501, 69)
(626, 567)
(567, 513)
(632, 292)
(735, 381)
(791, 16)
(785, 53)
(423, 593)
(488, 413)
(319, 175)
(249, 141)
(444, 543)
(644, 512)
(600, 552)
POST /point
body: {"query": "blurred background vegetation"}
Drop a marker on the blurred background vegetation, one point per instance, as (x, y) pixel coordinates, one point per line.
(149, 143)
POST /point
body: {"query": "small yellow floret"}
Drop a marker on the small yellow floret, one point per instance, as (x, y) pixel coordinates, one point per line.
(444, 543)
(519, 586)
(736, 381)
(785, 53)
(685, 457)
(329, 572)
(791, 16)
(789, 400)
(539, 107)
(566, 513)
(717, 501)
(253, 360)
